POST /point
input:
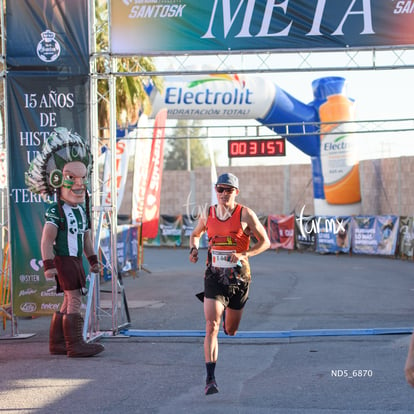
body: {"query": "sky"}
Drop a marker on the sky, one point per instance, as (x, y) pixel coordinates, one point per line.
(378, 94)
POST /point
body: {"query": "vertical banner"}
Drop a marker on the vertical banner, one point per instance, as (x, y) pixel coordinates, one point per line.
(123, 149)
(153, 191)
(47, 87)
(141, 162)
(34, 109)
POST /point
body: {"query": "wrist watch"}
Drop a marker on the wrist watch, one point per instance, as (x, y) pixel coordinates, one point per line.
(193, 248)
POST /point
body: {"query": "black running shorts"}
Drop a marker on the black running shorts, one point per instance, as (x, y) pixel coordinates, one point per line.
(231, 296)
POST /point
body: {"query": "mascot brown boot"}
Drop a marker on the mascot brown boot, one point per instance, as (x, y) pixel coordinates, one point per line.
(75, 345)
(57, 344)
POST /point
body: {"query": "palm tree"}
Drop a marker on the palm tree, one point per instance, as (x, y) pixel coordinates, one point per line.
(131, 97)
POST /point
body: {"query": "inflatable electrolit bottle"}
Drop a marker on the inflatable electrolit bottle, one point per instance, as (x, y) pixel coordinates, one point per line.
(339, 155)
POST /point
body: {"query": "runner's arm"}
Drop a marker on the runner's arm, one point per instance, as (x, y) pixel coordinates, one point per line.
(259, 232)
(198, 231)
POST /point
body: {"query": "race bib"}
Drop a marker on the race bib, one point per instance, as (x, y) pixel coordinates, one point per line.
(221, 258)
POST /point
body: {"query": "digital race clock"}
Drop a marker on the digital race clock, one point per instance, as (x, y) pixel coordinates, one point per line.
(256, 148)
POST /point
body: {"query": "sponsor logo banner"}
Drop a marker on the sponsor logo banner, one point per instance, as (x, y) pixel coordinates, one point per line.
(215, 96)
(48, 35)
(180, 26)
(375, 234)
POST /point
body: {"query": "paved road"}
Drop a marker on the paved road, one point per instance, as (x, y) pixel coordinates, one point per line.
(291, 293)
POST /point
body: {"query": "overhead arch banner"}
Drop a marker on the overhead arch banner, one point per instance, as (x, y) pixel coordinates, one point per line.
(153, 27)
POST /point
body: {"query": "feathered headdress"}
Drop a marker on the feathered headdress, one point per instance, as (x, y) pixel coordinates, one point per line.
(45, 171)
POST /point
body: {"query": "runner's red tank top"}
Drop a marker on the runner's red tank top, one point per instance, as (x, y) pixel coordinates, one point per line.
(227, 234)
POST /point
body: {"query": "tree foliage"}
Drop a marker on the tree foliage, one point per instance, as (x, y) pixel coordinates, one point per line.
(187, 133)
(131, 96)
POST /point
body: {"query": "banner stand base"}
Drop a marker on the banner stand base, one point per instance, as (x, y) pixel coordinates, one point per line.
(145, 269)
(270, 334)
(18, 336)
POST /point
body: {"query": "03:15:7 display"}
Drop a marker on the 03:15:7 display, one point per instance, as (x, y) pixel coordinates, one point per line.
(256, 148)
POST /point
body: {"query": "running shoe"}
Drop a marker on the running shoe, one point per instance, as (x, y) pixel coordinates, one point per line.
(211, 387)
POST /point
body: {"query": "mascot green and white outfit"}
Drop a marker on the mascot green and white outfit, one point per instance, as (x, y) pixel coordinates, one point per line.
(63, 167)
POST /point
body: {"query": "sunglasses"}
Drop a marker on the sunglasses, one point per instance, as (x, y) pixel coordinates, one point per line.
(228, 190)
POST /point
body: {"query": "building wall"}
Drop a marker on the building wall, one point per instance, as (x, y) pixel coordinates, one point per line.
(267, 190)
(386, 187)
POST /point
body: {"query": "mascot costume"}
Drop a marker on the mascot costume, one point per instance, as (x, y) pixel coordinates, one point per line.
(62, 168)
